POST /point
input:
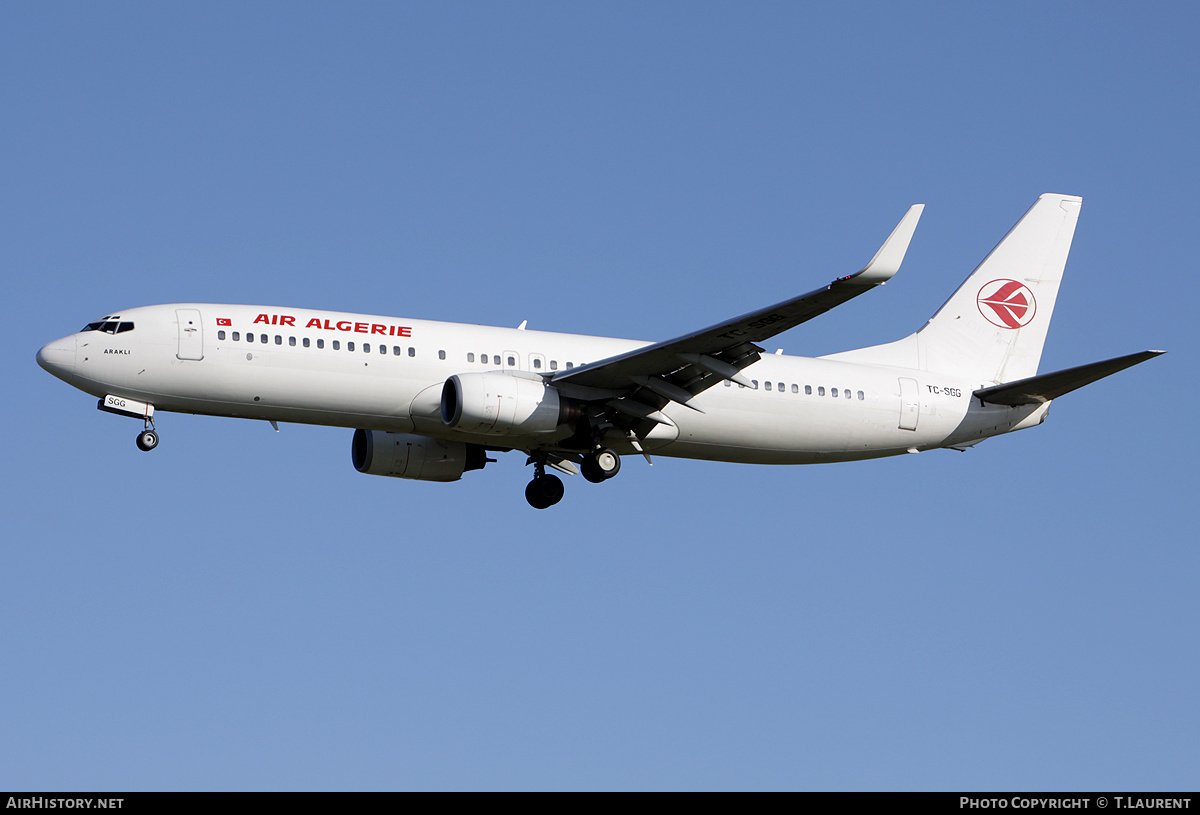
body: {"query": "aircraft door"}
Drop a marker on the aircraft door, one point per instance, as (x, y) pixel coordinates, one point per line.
(910, 404)
(191, 333)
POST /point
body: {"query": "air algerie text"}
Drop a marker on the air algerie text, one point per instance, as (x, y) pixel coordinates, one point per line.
(340, 325)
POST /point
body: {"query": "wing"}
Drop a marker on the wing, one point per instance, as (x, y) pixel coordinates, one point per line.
(638, 384)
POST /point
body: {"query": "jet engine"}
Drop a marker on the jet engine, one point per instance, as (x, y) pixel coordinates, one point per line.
(499, 404)
(403, 455)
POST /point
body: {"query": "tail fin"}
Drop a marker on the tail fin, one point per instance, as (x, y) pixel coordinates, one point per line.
(993, 328)
(995, 325)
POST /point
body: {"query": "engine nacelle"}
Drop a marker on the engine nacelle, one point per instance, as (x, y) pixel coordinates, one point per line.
(403, 455)
(499, 404)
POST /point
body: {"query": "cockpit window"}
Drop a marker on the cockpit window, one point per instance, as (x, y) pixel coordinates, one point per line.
(109, 327)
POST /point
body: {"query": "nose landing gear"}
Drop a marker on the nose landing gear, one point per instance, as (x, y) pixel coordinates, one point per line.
(147, 440)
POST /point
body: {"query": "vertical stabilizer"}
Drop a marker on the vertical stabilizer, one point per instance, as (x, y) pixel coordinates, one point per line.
(995, 325)
(993, 328)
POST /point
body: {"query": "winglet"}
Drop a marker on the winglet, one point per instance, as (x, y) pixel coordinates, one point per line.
(889, 257)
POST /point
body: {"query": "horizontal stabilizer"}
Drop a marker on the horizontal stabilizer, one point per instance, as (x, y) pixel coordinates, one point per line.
(1042, 388)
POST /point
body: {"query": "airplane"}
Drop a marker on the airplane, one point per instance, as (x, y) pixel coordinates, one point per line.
(430, 400)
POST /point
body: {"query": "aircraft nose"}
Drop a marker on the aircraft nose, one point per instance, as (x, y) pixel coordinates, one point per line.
(58, 357)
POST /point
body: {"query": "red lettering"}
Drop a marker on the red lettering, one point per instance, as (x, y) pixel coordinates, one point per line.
(404, 331)
(376, 328)
(343, 326)
(262, 318)
(361, 328)
(328, 327)
(286, 320)
(313, 323)
(274, 319)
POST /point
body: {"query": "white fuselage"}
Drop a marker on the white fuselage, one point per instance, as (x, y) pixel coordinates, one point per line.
(387, 374)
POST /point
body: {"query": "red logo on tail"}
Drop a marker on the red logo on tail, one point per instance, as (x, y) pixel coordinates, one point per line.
(1006, 303)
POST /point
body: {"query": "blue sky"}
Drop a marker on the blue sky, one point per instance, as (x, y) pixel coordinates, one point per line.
(240, 609)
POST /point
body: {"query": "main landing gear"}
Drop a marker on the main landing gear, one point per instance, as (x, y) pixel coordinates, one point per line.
(600, 465)
(544, 490)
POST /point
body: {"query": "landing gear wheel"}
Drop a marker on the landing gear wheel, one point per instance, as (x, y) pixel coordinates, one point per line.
(147, 440)
(544, 491)
(600, 465)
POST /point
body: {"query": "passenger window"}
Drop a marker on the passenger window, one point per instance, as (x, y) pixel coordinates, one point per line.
(396, 350)
(263, 339)
(728, 383)
(795, 388)
(766, 386)
(306, 342)
(366, 347)
(808, 390)
(821, 391)
(512, 362)
(441, 354)
(278, 340)
(350, 346)
(570, 364)
(470, 356)
(496, 359)
(236, 336)
(320, 343)
(780, 387)
(860, 396)
(337, 345)
(412, 352)
(554, 364)
(292, 341)
(537, 362)
(755, 382)
(846, 392)
(833, 392)
(249, 337)
(220, 335)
